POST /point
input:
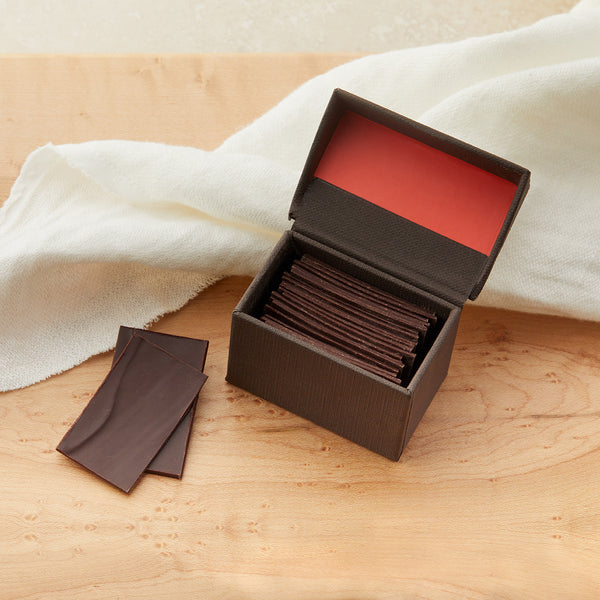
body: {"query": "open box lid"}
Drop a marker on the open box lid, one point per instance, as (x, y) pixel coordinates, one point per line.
(405, 198)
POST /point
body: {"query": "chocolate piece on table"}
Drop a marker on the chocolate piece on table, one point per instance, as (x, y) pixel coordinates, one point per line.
(133, 413)
(171, 458)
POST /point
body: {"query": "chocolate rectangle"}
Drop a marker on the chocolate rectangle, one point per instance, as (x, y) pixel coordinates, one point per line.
(133, 413)
(171, 458)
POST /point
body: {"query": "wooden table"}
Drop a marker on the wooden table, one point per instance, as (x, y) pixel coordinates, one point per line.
(497, 495)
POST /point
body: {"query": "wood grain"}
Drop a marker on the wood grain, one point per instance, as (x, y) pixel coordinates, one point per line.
(496, 495)
(188, 100)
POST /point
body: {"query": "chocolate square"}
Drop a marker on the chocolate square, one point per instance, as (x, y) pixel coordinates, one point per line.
(171, 458)
(133, 413)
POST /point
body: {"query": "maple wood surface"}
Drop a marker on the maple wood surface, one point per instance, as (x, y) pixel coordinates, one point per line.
(496, 496)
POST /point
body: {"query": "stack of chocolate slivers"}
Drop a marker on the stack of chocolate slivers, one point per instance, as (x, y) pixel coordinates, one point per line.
(140, 417)
(366, 326)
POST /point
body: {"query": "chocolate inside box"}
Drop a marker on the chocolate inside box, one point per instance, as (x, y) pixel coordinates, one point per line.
(405, 208)
(299, 245)
(318, 385)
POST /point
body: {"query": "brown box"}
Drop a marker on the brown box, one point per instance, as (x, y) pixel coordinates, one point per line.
(406, 208)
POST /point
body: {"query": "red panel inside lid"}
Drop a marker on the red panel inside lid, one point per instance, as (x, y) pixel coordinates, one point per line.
(422, 184)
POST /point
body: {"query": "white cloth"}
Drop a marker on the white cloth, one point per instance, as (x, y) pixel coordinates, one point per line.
(105, 233)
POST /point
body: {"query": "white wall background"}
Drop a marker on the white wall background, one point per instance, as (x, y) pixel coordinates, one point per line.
(115, 26)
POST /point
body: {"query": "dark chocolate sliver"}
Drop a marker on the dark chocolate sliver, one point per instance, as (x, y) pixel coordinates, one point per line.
(306, 327)
(343, 308)
(342, 305)
(350, 320)
(365, 325)
(354, 335)
(133, 413)
(402, 359)
(333, 350)
(368, 306)
(353, 286)
(404, 313)
(171, 458)
(373, 291)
